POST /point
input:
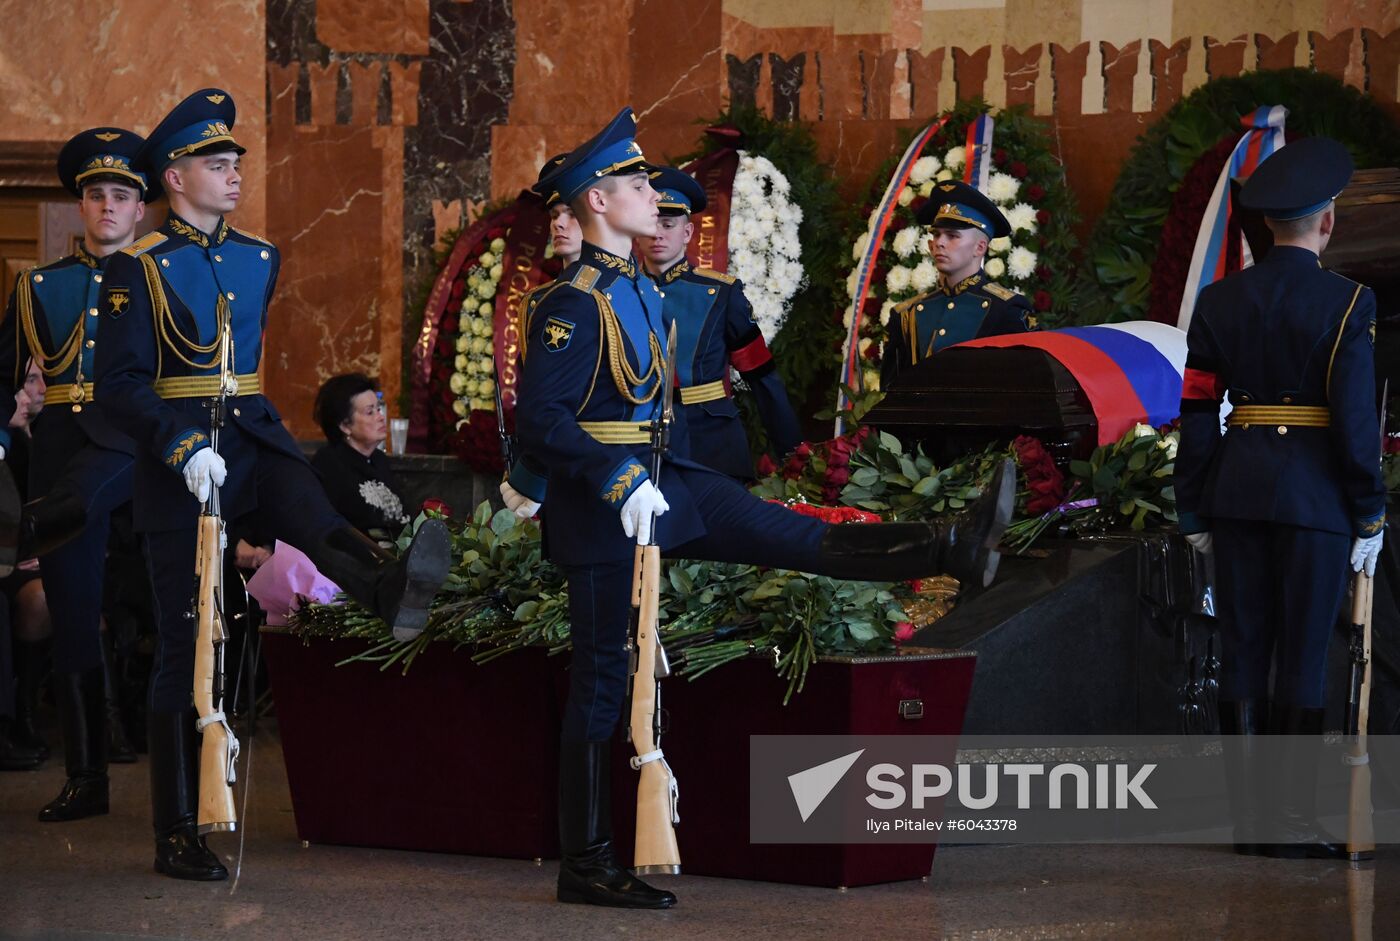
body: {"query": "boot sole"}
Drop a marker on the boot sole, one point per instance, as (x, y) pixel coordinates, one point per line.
(45, 817)
(209, 875)
(429, 561)
(570, 897)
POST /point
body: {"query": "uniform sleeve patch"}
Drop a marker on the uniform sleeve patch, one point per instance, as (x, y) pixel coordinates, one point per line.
(622, 481)
(557, 334)
(183, 445)
(118, 301)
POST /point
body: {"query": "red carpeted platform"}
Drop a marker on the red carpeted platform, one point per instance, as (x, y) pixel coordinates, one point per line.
(461, 759)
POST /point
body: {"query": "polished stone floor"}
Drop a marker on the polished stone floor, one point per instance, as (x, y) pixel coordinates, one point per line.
(92, 879)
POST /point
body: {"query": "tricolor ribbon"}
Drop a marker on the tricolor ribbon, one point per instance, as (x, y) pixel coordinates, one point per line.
(851, 376)
(978, 166)
(1263, 135)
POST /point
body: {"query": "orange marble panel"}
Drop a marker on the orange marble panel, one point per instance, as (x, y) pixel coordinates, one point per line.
(364, 91)
(323, 81)
(680, 76)
(839, 70)
(925, 74)
(403, 92)
(389, 142)
(879, 68)
(558, 76)
(282, 92)
(1070, 66)
(1382, 16)
(1331, 54)
(970, 72)
(1276, 54)
(1383, 53)
(1168, 71)
(1093, 148)
(1022, 70)
(1224, 58)
(1119, 70)
(333, 290)
(64, 68)
(397, 26)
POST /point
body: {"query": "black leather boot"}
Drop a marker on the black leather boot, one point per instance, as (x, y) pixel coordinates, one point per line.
(399, 590)
(119, 748)
(588, 874)
(174, 755)
(29, 673)
(1242, 722)
(963, 547)
(82, 709)
(1293, 828)
(41, 525)
(14, 757)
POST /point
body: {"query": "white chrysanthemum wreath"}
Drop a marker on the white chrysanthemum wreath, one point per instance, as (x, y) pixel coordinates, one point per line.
(764, 250)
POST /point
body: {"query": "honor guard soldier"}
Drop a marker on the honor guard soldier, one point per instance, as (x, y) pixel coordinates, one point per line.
(80, 465)
(183, 312)
(589, 386)
(962, 222)
(715, 330)
(1292, 490)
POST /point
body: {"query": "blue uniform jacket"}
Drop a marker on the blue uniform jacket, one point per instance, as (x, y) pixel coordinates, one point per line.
(714, 330)
(1282, 333)
(971, 309)
(592, 355)
(55, 306)
(161, 300)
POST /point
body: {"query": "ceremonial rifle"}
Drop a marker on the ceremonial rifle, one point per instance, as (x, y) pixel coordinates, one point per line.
(1361, 836)
(219, 749)
(655, 851)
(507, 439)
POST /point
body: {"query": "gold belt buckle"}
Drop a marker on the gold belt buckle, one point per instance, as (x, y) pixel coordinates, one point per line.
(231, 385)
(76, 395)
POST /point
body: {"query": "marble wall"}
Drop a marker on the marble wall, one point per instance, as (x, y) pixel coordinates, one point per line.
(377, 126)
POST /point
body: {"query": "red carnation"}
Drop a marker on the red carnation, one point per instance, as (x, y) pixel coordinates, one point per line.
(1035, 192)
(998, 156)
(903, 632)
(1392, 444)
(1042, 300)
(1042, 216)
(918, 203)
(766, 467)
(872, 352)
(803, 450)
(1019, 170)
(1043, 272)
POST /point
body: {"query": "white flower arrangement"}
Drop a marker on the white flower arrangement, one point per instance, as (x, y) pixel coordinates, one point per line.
(474, 377)
(764, 250)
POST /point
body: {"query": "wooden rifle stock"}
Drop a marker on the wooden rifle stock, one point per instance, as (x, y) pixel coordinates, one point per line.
(219, 747)
(656, 851)
(1361, 837)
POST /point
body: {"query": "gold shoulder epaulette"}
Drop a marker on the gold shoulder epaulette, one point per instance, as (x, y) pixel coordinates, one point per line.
(584, 278)
(996, 290)
(250, 235)
(716, 275)
(144, 244)
(904, 305)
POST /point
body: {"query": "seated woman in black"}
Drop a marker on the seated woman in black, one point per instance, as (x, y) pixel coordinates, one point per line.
(355, 472)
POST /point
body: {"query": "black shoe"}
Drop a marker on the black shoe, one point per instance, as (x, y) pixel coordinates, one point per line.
(119, 748)
(588, 874)
(39, 526)
(30, 664)
(963, 546)
(81, 797)
(14, 757)
(83, 710)
(174, 757)
(399, 590)
(182, 854)
(1241, 724)
(1293, 831)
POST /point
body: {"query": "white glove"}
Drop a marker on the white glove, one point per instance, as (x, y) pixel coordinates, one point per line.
(2, 452)
(1201, 542)
(519, 504)
(645, 503)
(1364, 553)
(203, 467)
